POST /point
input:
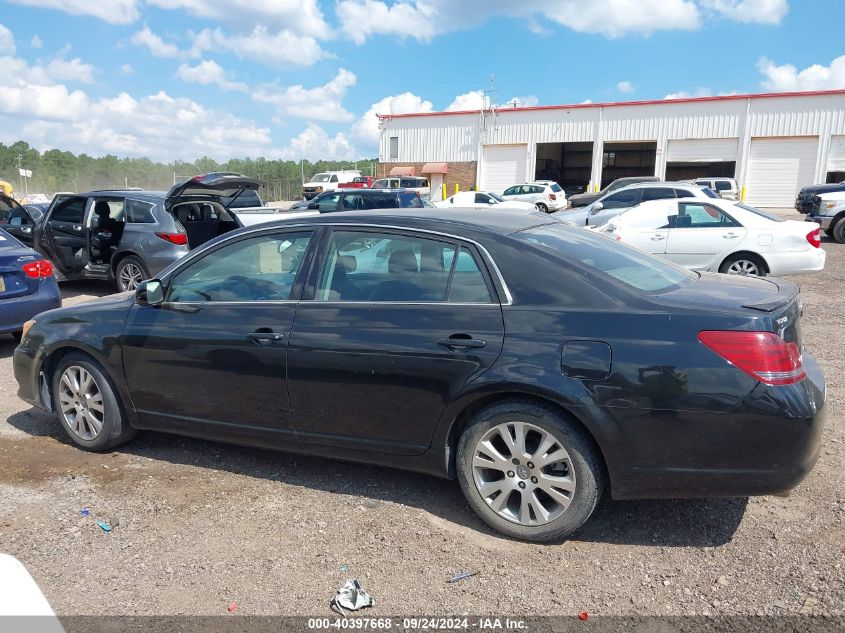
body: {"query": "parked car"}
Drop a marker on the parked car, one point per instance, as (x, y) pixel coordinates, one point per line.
(410, 183)
(34, 198)
(806, 197)
(720, 236)
(725, 188)
(27, 285)
(547, 196)
(128, 236)
(583, 199)
(494, 338)
(357, 199)
(36, 211)
(359, 182)
(828, 211)
(327, 181)
(602, 210)
(19, 220)
(483, 200)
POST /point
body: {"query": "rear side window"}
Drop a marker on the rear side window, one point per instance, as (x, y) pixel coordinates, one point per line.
(621, 199)
(410, 200)
(694, 215)
(702, 183)
(138, 212)
(69, 210)
(658, 193)
(723, 185)
(468, 284)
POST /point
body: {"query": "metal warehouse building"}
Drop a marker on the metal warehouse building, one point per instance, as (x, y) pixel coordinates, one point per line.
(773, 144)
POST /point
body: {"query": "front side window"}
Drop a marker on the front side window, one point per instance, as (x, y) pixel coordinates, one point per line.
(482, 198)
(693, 215)
(723, 185)
(512, 191)
(138, 212)
(329, 203)
(379, 267)
(381, 184)
(320, 178)
(261, 268)
(334, 179)
(622, 199)
(69, 210)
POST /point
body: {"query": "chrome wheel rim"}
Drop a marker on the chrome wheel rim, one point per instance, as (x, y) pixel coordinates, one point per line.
(130, 276)
(744, 267)
(523, 473)
(540, 207)
(81, 403)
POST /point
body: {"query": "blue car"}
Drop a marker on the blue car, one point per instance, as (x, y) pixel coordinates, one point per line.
(27, 285)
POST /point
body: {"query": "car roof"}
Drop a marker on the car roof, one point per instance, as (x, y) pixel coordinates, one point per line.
(459, 221)
(126, 193)
(658, 183)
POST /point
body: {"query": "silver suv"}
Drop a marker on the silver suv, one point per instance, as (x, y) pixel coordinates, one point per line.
(129, 236)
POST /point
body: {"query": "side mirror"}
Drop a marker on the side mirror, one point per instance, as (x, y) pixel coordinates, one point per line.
(150, 293)
(314, 205)
(597, 206)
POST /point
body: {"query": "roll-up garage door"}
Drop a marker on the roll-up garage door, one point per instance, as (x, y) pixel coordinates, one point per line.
(503, 166)
(703, 150)
(836, 162)
(778, 168)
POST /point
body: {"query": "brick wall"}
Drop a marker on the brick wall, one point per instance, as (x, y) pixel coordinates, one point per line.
(461, 173)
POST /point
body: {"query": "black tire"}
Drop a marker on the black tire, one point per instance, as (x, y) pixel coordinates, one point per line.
(542, 207)
(750, 257)
(123, 268)
(585, 459)
(828, 232)
(115, 427)
(837, 231)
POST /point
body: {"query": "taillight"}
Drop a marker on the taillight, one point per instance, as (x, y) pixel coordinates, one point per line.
(40, 269)
(180, 239)
(552, 196)
(762, 355)
(815, 238)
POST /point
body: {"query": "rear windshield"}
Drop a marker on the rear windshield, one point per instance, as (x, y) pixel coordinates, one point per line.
(630, 266)
(762, 214)
(556, 187)
(248, 198)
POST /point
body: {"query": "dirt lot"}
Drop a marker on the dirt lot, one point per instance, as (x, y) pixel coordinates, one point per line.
(202, 525)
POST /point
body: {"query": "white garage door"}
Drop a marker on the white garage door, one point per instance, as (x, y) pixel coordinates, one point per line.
(836, 162)
(503, 166)
(778, 168)
(703, 150)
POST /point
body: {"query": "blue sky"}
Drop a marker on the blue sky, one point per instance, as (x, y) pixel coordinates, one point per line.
(178, 79)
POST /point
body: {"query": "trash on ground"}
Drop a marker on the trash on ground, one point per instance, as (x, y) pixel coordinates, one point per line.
(583, 616)
(232, 606)
(462, 576)
(114, 521)
(85, 512)
(344, 567)
(351, 597)
(105, 527)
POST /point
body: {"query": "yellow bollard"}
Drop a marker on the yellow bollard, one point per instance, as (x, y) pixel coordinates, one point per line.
(457, 188)
(443, 191)
(742, 194)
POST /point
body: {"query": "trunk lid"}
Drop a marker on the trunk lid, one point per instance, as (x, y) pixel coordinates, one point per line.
(214, 185)
(13, 257)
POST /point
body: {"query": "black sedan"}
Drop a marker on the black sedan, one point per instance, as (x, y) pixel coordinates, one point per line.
(535, 362)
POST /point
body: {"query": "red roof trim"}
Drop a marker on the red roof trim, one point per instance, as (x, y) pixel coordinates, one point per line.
(611, 104)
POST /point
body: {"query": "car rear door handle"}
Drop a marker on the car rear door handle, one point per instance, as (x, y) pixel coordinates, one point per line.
(729, 236)
(265, 337)
(462, 342)
(658, 237)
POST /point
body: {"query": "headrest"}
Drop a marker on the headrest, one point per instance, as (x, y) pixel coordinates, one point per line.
(348, 262)
(402, 261)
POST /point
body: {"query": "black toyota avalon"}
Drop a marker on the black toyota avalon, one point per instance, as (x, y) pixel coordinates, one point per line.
(536, 363)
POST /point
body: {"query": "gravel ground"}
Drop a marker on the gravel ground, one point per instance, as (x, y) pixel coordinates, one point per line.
(199, 525)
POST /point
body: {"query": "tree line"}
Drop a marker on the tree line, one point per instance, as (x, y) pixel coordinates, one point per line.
(56, 170)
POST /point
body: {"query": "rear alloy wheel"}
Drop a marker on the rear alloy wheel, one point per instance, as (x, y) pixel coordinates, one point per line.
(129, 274)
(542, 207)
(745, 265)
(528, 471)
(85, 402)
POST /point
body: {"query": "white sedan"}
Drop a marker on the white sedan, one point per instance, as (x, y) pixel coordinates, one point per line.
(483, 200)
(720, 235)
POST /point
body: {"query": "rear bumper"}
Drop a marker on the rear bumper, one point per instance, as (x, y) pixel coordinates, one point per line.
(798, 263)
(768, 446)
(16, 311)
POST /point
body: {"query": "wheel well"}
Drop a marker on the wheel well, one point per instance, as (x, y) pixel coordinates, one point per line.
(120, 257)
(748, 255)
(466, 415)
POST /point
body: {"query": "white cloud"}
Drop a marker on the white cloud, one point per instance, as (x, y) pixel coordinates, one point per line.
(112, 11)
(760, 11)
(323, 103)
(209, 72)
(424, 19)
(787, 78)
(625, 87)
(314, 143)
(303, 16)
(70, 70)
(7, 41)
(366, 128)
(36, 42)
(157, 46)
(127, 69)
(279, 49)
(476, 100)
(686, 94)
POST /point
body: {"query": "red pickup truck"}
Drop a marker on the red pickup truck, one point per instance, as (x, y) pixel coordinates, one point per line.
(359, 182)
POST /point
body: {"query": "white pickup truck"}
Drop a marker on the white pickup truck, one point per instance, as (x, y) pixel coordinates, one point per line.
(828, 210)
(327, 181)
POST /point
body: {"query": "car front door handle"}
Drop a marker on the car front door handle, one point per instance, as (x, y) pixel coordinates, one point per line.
(462, 343)
(265, 337)
(729, 236)
(657, 238)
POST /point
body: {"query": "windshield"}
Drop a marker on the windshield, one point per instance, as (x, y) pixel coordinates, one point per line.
(632, 267)
(709, 192)
(762, 214)
(321, 178)
(496, 197)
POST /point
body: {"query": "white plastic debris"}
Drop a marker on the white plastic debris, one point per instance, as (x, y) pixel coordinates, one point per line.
(351, 597)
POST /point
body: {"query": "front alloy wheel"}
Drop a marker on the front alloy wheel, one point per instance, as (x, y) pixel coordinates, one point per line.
(745, 268)
(130, 276)
(81, 403)
(523, 473)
